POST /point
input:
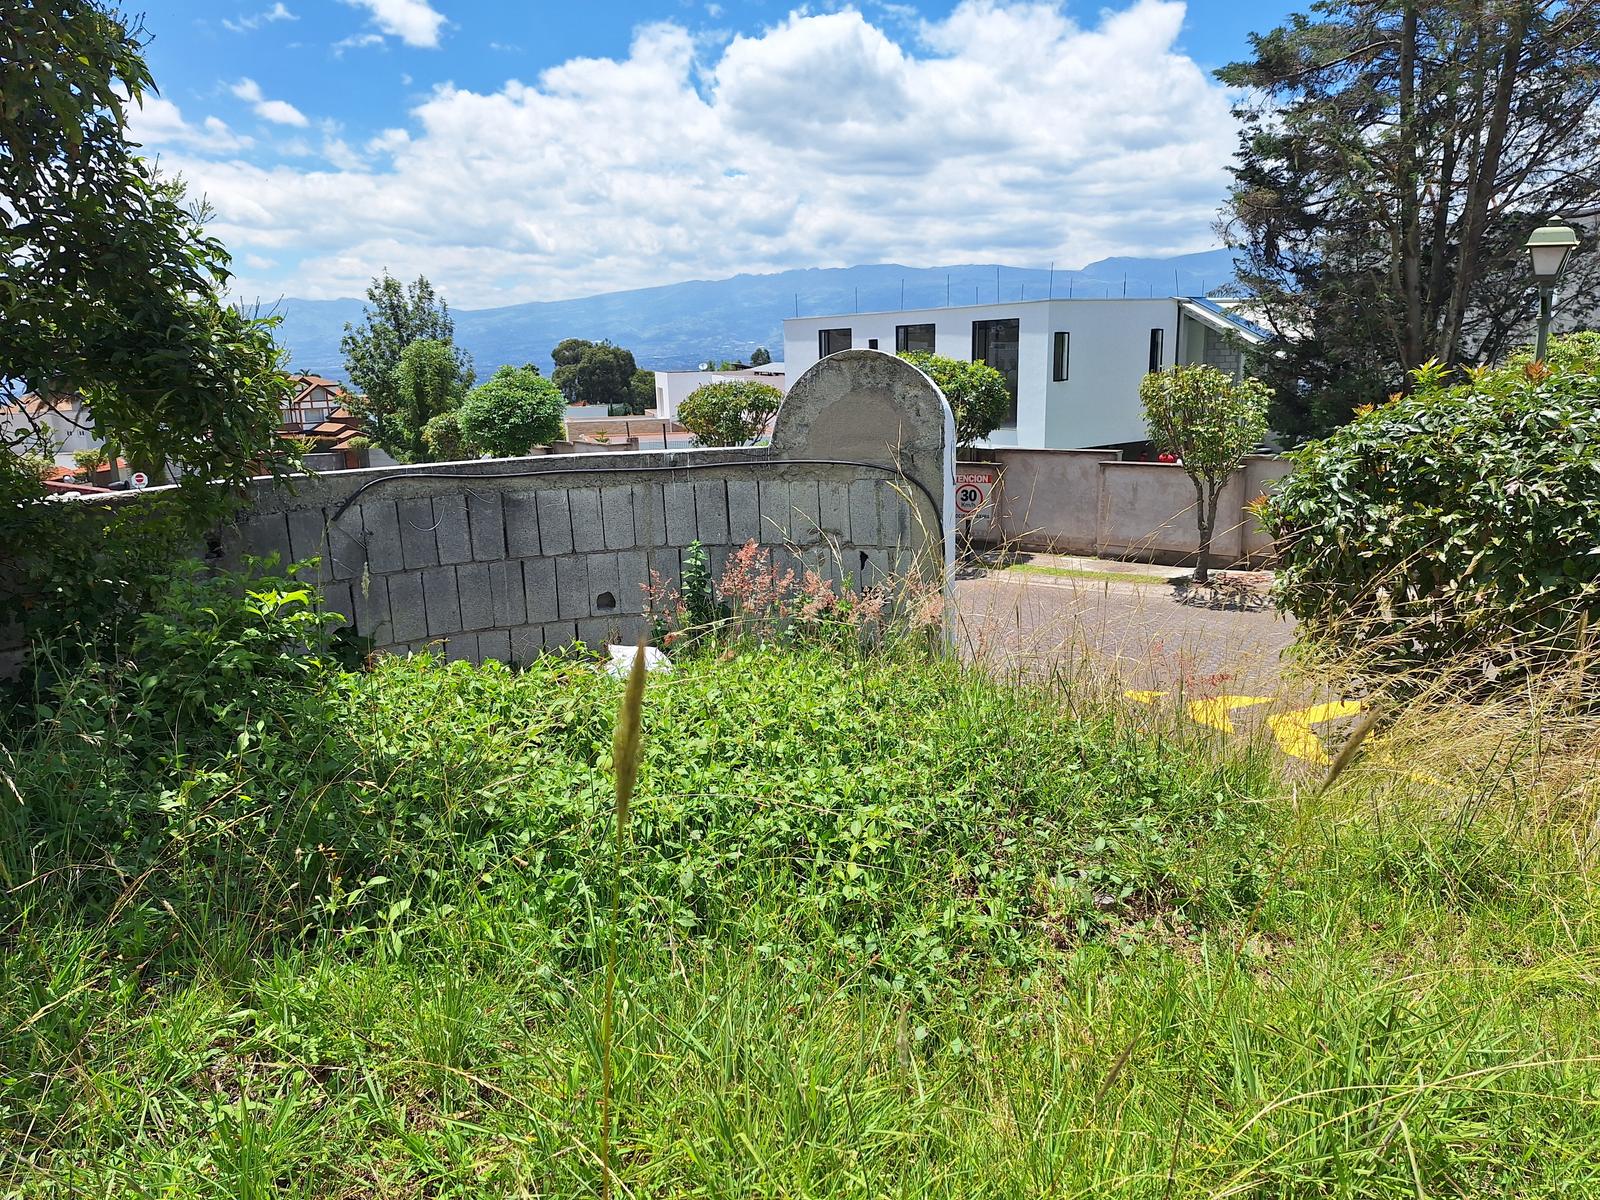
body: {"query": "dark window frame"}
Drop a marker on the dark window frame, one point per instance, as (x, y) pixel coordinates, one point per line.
(902, 337)
(1158, 346)
(982, 339)
(1061, 356)
(825, 336)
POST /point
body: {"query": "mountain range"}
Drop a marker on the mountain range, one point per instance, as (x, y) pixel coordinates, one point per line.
(679, 325)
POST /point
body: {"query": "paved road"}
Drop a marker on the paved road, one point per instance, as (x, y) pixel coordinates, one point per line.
(1145, 633)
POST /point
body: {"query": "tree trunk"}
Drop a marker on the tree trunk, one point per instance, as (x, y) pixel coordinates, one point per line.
(1205, 518)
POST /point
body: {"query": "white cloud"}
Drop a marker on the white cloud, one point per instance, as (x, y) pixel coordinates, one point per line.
(279, 112)
(245, 24)
(1004, 132)
(355, 42)
(157, 122)
(414, 22)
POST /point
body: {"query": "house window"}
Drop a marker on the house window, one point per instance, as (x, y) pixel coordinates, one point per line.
(1063, 352)
(872, 343)
(831, 341)
(1158, 339)
(998, 343)
(910, 338)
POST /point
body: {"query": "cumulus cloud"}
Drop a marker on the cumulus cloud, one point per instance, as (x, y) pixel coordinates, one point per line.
(159, 122)
(414, 22)
(1004, 131)
(278, 12)
(279, 112)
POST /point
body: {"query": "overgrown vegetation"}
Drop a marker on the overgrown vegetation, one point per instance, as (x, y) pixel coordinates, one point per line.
(1455, 527)
(887, 925)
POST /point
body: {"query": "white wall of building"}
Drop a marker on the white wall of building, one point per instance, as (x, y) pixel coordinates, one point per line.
(1098, 403)
(68, 426)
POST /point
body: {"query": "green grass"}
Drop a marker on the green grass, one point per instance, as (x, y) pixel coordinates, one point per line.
(1092, 576)
(890, 928)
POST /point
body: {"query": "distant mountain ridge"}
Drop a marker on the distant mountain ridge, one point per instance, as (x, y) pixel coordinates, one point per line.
(679, 325)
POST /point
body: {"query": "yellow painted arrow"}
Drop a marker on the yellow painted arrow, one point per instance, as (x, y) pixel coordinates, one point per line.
(1144, 697)
(1214, 711)
(1293, 729)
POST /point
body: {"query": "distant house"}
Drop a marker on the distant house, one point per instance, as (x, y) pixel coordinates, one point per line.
(1072, 367)
(63, 422)
(673, 386)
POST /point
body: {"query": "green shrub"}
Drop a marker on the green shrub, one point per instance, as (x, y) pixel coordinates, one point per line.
(513, 411)
(976, 391)
(441, 437)
(1461, 522)
(729, 413)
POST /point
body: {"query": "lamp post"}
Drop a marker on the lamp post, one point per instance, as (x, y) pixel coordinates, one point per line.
(1548, 248)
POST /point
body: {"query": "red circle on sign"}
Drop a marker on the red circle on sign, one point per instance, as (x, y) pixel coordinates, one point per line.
(969, 498)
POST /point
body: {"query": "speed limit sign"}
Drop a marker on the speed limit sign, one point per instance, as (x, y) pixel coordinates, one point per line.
(975, 487)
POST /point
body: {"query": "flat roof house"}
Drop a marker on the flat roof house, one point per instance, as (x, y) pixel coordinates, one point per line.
(673, 386)
(1073, 366)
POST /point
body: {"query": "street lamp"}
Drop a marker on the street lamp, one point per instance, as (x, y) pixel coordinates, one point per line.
(1548, 248)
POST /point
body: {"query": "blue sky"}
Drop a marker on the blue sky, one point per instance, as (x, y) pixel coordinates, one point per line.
(522, 151)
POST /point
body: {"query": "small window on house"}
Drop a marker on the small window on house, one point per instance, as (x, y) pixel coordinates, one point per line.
(831, 341)
(872, 343)
(1158, 339)
(1062, 353)
(908, 338)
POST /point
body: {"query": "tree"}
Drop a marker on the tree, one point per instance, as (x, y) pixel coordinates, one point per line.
(513, 411)
(641, 392)
(441, 437)
(431, 380)
(90, 460)
(114, 291)
(730, 413)
(976, 391)
(593, 372)
(396, 315)
(760, 358)
(1393, 156)
(1210, 421)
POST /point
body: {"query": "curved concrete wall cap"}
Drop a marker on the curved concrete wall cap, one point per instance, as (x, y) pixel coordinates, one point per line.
(867, 406)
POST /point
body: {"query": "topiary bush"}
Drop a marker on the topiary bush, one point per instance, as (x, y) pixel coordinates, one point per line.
(729, 413)
(976, 392)
(1459, 524)
(515, 410)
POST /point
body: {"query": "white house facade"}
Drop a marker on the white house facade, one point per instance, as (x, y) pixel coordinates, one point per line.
(673, 386)
(1073, 366)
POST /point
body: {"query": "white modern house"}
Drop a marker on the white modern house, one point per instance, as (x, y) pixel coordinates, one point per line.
(1073, 366)
(673, 386)
(62, 423)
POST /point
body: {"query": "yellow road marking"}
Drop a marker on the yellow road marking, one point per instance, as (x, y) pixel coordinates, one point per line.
(1293, 729)
(1214, 712)
(1144, 697)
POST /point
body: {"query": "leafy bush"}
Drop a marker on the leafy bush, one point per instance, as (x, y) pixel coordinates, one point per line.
(513, 411)
(441, 437)
(90, 460)
(976, 392)
(1462, 520)
(729, 413)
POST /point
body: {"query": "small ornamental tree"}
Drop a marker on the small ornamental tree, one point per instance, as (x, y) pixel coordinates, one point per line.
(441, 437)
(976, 391)
(430, 380)
(1210, 421)
(731, 413)
(515, 410)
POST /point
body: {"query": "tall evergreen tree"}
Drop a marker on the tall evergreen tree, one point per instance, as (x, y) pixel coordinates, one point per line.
(396, 316)
(1394, 155)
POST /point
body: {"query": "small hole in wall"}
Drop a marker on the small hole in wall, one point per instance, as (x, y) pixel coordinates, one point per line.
(863, 562)
(605, 602)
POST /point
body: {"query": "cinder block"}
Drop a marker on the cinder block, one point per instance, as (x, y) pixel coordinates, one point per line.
(347, 548)
(486, 516)
(441, 600)
(371, 594)
(604, 585)
(894, 512)
(572, 586)
(527, 643)
(667, 564)
(555, 521)
(649, 515)
(711, 511)
(834, 510)
(450, 528)
(380, 526)
(506, 594)
(744, 511)
(539, 588)
(678, 497)
(559, 634)
(476, 594)
(587, 531)
(521, 513)
(775, 515)
(632, 575)
(339, 598)
(308, 539)
(598, 632)
(495, 644)
(804, 516)
(616, 517)
(266, 535)
(864, 512)
(418, 545)
(408, 618)
(875, 569)
(461, 647)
